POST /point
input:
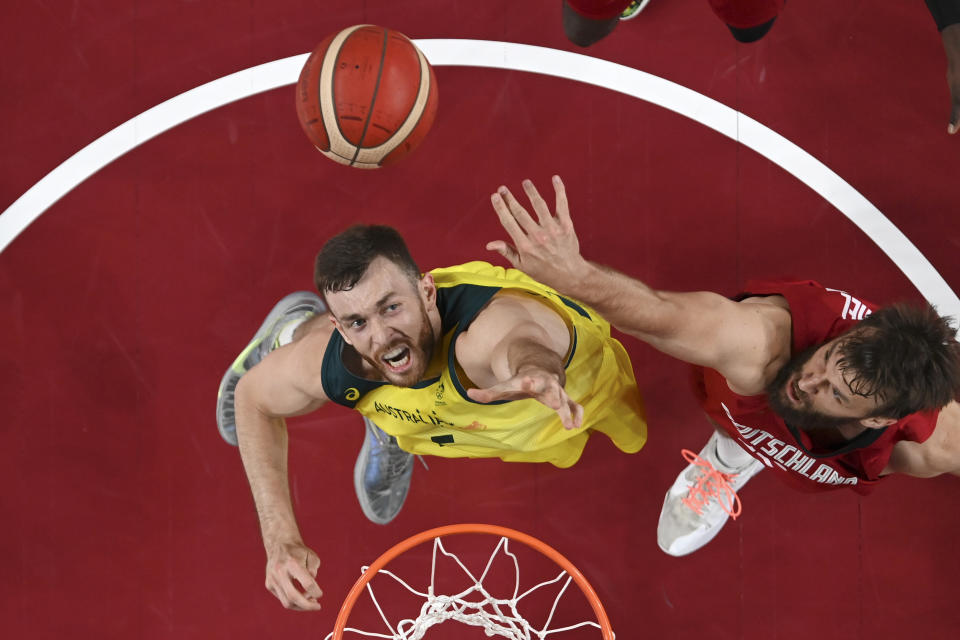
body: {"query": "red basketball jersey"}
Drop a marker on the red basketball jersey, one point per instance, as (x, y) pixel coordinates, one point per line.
(819, 314)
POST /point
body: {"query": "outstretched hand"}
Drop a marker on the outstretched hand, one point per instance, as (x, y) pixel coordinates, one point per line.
(542, 386)
(291, 576)
(546, 249)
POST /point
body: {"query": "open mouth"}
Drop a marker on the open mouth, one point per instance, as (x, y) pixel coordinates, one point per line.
(397, 359)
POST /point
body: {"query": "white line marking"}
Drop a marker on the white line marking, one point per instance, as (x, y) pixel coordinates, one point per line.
(138, 130)
(517, 57)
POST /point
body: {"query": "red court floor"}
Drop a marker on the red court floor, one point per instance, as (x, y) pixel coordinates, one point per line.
(126, 516)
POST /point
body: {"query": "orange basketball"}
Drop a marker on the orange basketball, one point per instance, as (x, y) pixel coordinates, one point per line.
(366, 96)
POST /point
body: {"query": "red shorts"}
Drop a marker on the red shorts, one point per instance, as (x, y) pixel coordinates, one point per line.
(598, 9)
(743, 14)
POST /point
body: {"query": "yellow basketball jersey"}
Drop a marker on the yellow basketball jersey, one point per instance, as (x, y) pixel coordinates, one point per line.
(436, 417)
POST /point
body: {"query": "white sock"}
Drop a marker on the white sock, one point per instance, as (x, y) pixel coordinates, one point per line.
(731, 454)
(285, 336)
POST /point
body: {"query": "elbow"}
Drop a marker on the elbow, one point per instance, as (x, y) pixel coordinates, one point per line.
(248, 415)
(242, 396)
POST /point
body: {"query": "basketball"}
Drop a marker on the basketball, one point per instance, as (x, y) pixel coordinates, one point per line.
(366, 96)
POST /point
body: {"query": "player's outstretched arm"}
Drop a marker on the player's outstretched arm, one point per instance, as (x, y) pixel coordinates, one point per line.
(284, 384)
(698, 327)
(515, 349)
(939, 454)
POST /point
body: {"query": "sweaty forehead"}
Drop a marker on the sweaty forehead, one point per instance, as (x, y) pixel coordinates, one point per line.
(832, 352)
(847, 377)
(381, 281)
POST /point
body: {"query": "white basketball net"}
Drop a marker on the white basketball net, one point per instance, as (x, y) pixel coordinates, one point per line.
(474, 606)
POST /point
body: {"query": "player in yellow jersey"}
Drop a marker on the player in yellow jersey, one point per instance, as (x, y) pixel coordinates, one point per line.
(466, 361)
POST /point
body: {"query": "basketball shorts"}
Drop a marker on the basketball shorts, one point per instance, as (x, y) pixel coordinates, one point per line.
(740, 14)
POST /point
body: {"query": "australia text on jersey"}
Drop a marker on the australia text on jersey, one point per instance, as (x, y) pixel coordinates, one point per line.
(414, 416)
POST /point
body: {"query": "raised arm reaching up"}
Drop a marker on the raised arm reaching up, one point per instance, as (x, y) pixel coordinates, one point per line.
(738, 340)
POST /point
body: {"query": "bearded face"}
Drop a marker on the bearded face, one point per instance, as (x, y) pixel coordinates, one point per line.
(385, 318)
(811, 391)
(404, 360)
(793, 405)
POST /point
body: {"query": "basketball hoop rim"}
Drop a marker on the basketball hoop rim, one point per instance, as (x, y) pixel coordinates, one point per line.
(455, 529)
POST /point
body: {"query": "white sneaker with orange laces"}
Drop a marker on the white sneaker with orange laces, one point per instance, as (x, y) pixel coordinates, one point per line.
(700, 501)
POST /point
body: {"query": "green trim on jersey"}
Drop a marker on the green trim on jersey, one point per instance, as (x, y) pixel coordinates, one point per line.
(458, 306)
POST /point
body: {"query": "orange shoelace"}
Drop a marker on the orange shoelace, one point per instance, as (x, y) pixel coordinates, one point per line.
(712, 484)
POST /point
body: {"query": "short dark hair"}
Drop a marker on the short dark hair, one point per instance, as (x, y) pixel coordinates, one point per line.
(907, 356)
(346, 256)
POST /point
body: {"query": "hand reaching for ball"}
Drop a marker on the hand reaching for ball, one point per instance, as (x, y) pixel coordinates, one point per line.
(546, 249)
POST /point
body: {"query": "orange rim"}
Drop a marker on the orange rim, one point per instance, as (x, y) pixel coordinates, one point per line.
(454, 529)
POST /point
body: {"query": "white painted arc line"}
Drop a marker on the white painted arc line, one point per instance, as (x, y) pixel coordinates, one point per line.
(138, 130)
(723, 119)
(517, 57)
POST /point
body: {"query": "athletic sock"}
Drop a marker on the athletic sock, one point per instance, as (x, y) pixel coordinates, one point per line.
(285, 336)
(731, 454)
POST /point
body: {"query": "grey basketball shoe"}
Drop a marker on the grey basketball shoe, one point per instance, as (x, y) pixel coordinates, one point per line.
(296, 306)
(381, 475)
(698, 504)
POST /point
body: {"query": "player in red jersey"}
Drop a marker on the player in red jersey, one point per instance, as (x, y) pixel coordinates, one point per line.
(819, 386)
(588, 21)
